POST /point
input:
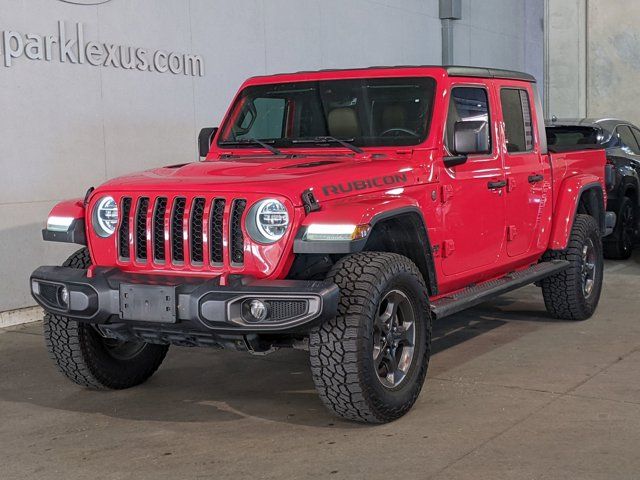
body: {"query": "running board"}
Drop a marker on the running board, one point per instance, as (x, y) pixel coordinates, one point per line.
(472, 296)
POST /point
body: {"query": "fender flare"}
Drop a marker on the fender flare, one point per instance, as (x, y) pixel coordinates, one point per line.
(428, 269)
(568, 201)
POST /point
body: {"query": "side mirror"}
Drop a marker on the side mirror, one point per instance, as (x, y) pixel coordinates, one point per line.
(205, 138)
(471, 137)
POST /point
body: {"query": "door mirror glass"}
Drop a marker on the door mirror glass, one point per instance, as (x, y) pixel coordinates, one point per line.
(205, 139)
(471, 138)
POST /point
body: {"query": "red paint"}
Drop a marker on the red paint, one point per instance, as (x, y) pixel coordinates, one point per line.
(480, 234)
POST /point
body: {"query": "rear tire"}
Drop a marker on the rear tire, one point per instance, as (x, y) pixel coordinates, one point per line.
(574, 293)
(620, 245)
(91, 360)
(370, 361)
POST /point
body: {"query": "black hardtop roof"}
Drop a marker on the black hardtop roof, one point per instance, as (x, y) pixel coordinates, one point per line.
(452, 71)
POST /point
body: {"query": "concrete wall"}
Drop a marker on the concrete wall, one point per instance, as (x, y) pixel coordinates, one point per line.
(66, 126)
(594, 58)
(566, 58)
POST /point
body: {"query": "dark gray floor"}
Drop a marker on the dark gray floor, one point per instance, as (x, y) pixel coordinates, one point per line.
(510, 394)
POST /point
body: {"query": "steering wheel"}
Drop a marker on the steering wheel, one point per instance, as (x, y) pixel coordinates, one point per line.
(400, 130)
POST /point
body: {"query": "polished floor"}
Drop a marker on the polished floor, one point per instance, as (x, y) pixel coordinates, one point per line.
(510, 394)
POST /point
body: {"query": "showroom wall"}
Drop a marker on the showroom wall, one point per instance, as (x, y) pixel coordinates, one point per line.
(594, 56)
(168, 68)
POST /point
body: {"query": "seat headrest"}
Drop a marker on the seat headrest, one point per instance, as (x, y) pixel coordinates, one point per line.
(343, 123)
(394, 116)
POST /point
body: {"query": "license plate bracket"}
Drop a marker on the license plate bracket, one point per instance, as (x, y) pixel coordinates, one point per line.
(148, 303)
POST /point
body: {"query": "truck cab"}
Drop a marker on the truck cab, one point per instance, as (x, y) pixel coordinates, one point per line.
(338, 211)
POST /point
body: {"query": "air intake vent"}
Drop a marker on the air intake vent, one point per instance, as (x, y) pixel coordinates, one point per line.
(159, 214)
(141, 229)
(177, 234)
(237, 237)
(197, 213)
(216, 235)
(123, 234)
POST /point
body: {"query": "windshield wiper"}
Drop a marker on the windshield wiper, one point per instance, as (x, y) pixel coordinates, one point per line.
(344, 143)
(252, 141)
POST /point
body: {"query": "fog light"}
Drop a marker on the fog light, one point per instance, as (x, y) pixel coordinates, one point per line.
(258, 310)
(35, 287)
(64, 296)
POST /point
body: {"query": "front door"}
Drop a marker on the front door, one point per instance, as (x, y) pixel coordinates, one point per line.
(527, 172)
(473, 199)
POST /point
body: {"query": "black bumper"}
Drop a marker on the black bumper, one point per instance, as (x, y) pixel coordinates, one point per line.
(182, 304)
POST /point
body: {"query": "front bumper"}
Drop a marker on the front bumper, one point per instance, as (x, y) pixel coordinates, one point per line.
(182, 304)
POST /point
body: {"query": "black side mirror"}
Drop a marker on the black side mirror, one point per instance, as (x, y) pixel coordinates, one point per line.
(205, 138)
(471, 138)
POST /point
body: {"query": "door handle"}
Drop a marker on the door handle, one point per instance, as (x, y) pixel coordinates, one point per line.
(536, 178)
(497, 185)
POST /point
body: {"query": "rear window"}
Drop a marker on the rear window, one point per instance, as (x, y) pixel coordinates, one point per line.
(571, 136)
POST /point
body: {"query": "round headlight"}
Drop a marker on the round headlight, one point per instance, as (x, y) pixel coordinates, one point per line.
(267, 221)
(105, 217)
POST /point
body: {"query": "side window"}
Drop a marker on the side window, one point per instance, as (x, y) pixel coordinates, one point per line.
(627, 138)
(516, 111)
(264, 119)
(467, 104)
(636, 134)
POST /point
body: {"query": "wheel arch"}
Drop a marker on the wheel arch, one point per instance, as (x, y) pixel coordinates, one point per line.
(580, 194)
(409, 238)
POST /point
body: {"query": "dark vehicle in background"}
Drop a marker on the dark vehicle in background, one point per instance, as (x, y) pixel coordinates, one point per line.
(621, 140)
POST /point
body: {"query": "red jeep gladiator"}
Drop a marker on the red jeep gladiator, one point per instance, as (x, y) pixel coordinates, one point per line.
(336, 211)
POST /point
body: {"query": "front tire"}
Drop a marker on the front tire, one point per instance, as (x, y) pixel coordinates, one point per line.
(574, 293)
(87, 358)
(370, 361)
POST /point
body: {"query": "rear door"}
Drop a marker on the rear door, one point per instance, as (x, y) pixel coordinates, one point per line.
(527, 172)
(472, 193)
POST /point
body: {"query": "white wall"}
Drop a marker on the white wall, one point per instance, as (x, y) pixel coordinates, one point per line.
(66, 127)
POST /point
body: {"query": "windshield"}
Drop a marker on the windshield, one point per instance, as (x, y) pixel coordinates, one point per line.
(362, 112)
(571, 136)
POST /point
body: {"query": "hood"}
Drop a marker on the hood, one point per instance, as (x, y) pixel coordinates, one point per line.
(330, 177)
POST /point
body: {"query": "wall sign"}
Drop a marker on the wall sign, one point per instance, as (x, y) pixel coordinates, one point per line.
(71, 46)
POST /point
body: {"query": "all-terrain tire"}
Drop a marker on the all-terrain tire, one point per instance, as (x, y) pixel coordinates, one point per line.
(619, 245)
(83, 355)
(564, 293)
(341, 350)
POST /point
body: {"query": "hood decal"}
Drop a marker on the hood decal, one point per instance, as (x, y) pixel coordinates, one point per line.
(366, 184)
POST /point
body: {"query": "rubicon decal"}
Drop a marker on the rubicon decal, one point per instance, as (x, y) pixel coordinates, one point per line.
(70, 46)
(366, 184)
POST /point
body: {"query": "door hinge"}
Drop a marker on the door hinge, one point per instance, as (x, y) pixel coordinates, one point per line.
(446, 193)
(448, 247)
(511, 184)
(512, 233)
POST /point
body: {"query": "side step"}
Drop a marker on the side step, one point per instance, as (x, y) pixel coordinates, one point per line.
(472, 296)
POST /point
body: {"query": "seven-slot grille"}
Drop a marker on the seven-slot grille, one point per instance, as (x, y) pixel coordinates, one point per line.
(181, 231)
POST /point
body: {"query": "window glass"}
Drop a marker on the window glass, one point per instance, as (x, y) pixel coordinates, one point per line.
(628, 140)
(467, 104)
(636, 134)
(365, 112)
(517, 119)
(265, 119)
(569, 136)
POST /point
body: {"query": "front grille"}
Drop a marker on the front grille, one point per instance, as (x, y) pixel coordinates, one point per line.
(182, 231)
